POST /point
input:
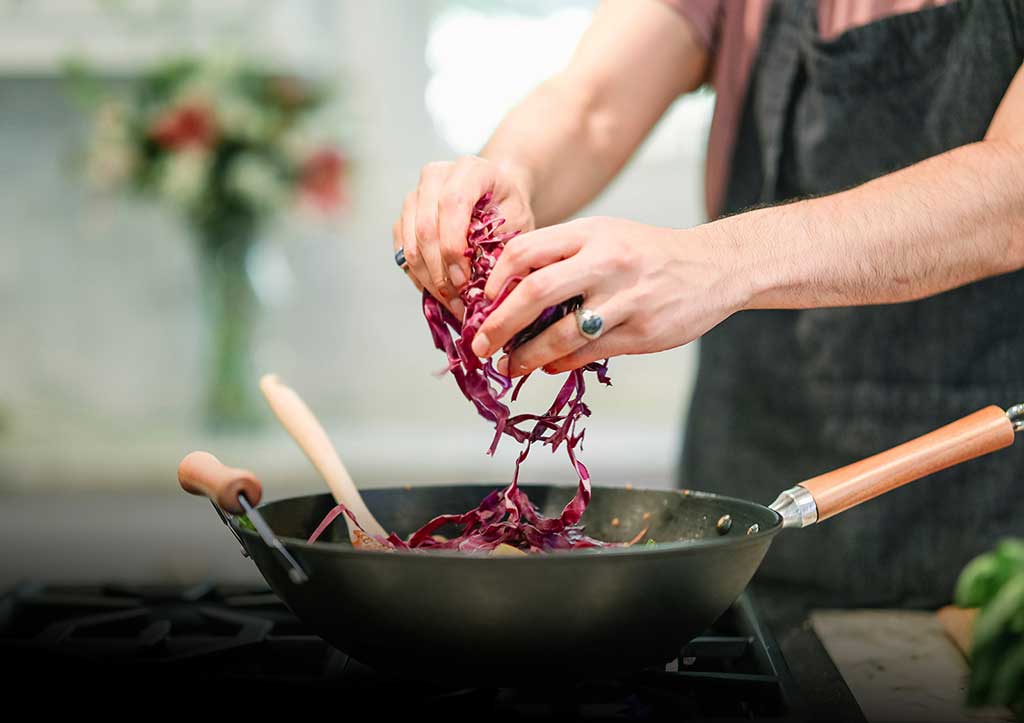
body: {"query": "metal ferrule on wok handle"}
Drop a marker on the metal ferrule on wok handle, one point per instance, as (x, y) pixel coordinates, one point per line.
(821, 497)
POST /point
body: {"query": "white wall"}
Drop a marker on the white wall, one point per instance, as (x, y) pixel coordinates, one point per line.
(100, 328)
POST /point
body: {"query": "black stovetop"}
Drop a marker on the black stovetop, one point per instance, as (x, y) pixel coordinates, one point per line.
(158, 638)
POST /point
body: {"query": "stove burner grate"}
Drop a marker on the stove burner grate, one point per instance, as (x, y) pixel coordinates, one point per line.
(153, 635)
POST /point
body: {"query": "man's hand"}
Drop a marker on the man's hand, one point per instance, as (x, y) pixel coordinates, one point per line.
(655, 288)
(944, 222)
(435, 216)
(561, 145)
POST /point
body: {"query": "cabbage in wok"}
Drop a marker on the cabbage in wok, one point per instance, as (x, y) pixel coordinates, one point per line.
(505, 516)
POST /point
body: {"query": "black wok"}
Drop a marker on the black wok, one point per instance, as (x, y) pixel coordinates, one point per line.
(452, 615)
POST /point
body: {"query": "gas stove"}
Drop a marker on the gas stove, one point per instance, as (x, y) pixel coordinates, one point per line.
(148, 638)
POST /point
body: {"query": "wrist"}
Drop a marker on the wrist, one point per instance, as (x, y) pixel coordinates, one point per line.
(737, 275)
(518, 174)
(761, 275)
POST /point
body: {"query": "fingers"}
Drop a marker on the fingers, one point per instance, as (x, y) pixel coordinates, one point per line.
(398, 243)
(414, 255)
(410, 244)
(436, 216)
(563, 340)
(612, 343)
(530, 251)
(432, 180)
(469, 180)
(541, 289)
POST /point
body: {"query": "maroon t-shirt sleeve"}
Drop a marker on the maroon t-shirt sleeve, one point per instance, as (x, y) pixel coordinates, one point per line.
(703, 16)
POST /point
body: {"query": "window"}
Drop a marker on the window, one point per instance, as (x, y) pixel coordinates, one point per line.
(483, 57)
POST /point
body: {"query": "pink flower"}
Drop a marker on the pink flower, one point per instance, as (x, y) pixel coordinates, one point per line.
(185, 126)
(322, 179)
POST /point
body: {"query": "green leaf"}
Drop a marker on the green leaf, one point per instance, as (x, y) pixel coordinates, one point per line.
(995, 583)
(245, 523)
(984, 664)
(981, 579)
(1011, 551)
(995, 618)
(1008, 681)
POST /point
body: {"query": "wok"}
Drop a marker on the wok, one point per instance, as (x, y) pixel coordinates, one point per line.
(451, 615)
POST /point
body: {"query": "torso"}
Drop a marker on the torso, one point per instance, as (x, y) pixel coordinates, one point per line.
(784, 395)
(731, 30)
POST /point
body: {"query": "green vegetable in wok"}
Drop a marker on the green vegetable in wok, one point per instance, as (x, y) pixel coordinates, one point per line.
(994, 582)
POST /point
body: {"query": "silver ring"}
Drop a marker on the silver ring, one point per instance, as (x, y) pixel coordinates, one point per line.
(589, 323)
(400, 256)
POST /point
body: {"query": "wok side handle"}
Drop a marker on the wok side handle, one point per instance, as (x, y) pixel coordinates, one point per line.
(200, 473)
(236, 491)
(975, 435)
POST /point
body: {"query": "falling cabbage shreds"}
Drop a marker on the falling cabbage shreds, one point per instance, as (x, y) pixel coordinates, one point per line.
(505, 516)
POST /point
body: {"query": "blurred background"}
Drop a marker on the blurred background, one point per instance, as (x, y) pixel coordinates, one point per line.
(136, 313)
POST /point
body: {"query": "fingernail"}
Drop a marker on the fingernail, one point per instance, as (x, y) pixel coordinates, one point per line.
(502, 365)
(458, 308)
(481, 344)
(457, 277)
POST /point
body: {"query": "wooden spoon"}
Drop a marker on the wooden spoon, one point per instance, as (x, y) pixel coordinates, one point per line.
(297, 418)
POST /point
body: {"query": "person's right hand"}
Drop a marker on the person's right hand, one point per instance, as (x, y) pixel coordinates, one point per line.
(435, 217)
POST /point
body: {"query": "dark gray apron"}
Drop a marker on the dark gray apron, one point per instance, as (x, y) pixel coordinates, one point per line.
(784, 395)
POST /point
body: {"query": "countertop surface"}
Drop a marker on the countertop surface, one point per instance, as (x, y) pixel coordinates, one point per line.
(899, 664)
(875, 665)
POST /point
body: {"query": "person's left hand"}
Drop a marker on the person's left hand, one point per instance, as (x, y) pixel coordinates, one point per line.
(655, 289)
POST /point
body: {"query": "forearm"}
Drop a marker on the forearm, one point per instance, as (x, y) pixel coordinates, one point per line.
(553, 145)
(947, 221)
(570, 137)
(942, 223)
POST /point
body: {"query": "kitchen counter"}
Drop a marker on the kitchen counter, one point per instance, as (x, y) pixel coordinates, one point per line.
(876, 665)
(900, 664)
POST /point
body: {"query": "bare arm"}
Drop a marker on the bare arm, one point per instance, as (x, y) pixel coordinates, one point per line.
(559, 147)
(944, 222)
(570, 137)
(941, 223)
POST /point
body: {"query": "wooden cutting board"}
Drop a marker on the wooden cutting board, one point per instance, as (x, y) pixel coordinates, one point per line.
(958, 624)
(900, 664)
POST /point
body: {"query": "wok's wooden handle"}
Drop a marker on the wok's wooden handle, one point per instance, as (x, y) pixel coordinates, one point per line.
(296, 417)
(200, 473)
(975, 435)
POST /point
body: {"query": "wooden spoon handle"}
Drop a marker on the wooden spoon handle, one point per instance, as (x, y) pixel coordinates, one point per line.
(975, 435)
(308, 433)
(200, 473)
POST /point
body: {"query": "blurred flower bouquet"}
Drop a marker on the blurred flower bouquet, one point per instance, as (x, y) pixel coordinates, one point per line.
(223, 143)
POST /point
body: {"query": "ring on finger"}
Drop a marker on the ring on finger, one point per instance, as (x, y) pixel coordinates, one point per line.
(590, 323)
(400, 258)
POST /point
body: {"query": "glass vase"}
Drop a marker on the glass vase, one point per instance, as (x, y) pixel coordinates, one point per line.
(231, 308)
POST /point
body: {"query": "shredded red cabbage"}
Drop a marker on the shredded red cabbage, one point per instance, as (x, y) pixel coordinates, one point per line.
(505, 516)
